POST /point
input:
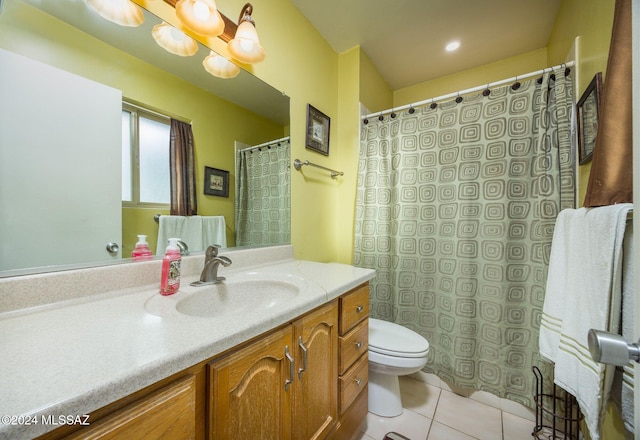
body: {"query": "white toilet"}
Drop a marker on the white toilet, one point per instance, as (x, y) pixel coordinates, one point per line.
(393, 351)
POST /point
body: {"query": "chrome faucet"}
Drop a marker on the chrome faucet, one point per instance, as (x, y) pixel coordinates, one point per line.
(211, 264)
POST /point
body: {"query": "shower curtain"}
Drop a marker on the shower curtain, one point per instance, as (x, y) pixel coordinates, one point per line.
(455, 211)
(263, 202)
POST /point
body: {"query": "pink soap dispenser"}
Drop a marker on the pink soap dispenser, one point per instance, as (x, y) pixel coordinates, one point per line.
(170, 279)
(141, 251)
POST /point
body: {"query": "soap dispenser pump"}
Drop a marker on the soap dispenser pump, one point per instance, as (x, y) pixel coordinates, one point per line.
(170, 278)
(141, 251)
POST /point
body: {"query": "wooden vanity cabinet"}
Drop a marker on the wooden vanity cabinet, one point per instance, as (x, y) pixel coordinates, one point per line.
(353, 364)
(168, 413)
(262, 389)
(282, 386)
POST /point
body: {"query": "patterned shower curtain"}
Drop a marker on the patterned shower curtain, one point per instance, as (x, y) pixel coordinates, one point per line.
(455, 211)
(263, 200)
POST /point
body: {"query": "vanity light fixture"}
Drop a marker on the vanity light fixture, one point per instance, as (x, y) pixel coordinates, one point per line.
(122, 12)
(219, 66)
(245, 46)
(174, 40)
(201, 16)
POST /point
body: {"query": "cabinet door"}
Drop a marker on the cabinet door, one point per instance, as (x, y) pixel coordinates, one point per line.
(169, 413)
(250, 392)
(315, 398)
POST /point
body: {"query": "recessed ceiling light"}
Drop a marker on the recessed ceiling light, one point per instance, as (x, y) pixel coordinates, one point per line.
(452, 46)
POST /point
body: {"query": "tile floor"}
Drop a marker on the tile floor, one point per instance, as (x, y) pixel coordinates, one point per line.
(432, 413)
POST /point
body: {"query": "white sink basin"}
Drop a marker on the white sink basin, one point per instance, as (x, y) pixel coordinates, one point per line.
(238, 294)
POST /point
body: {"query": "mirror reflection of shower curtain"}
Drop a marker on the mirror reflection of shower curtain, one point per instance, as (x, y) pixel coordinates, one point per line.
(455, 211)
(263, 196)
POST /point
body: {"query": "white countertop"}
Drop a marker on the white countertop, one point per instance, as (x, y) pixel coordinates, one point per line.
(73, 357)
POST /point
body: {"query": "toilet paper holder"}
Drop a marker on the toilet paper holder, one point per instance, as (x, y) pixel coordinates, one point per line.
(611, 348)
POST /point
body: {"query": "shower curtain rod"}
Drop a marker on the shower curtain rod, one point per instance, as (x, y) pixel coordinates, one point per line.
(286, 138)
(470, 90)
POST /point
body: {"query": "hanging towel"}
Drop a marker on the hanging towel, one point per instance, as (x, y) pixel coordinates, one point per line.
(214, 231)
(622, 392)
(583, 292)
(188, 229)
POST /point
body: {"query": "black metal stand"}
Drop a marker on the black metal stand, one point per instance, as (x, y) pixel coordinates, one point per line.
(557, 414)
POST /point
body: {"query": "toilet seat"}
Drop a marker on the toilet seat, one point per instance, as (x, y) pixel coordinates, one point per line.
(391, 339)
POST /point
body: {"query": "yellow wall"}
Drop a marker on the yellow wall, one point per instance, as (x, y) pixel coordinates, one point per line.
(506, 68)
(591, 20)
(303, 65)
(375, 93)
(216, 123)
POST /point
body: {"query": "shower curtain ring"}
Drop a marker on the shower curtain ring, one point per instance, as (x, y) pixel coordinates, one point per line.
(412, 110)
(380, 118)
(458, 99)
(433, 104)
(515, 85)
(487, 91)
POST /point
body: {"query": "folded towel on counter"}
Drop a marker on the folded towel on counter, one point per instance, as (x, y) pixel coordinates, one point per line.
(198, 232)
(583, 292)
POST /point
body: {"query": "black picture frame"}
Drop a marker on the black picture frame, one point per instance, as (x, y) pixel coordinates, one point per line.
(216, 182)
(588, 109)
(318, 130)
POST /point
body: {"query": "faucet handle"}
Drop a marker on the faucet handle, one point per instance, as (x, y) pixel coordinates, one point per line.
(212, 251)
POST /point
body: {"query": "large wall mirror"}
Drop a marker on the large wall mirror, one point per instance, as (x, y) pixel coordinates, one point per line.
(64, 37)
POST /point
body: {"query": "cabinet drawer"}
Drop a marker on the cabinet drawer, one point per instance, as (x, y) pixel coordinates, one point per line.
(353, 345)
(353, 382)
(354, 307)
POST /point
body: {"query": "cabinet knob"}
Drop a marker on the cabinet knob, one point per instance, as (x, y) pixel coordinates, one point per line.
(359, 345)
(359, 309)
(358, 381)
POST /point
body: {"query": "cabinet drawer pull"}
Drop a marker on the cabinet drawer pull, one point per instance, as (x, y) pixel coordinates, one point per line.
(359, 309)
(358, 381)
(304, 358)
(291, 368)
(359, 345)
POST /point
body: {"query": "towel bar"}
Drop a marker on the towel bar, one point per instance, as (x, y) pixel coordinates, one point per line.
(297, 164)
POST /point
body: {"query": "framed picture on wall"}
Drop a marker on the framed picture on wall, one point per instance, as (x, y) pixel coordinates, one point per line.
(588, 110)
(216, 182)
(318, 125)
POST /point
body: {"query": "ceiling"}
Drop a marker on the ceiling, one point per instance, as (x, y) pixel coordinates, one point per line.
(405, 39)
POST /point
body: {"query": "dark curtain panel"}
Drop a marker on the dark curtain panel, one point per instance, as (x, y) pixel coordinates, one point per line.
(611, 177)
(183, 175)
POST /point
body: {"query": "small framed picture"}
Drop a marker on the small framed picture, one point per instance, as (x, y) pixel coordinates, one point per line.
(216, 182)
(588, 110)
(318, 125)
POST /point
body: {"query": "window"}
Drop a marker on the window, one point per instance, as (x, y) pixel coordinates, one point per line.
(145, 157)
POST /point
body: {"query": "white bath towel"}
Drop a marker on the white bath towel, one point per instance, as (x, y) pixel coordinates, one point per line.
(188, 229)
(214, 231)
(198, 232)
(625, 376)
(583, 292)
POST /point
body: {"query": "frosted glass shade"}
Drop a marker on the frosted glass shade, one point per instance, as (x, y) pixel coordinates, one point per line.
(173, 40)
(219, 66)
(122, 12)
(201, 16)
(245, 47)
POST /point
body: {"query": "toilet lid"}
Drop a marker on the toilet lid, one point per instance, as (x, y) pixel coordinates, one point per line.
(395, 340)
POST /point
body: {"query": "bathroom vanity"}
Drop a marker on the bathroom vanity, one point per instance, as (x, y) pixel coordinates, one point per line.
(130, 363)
